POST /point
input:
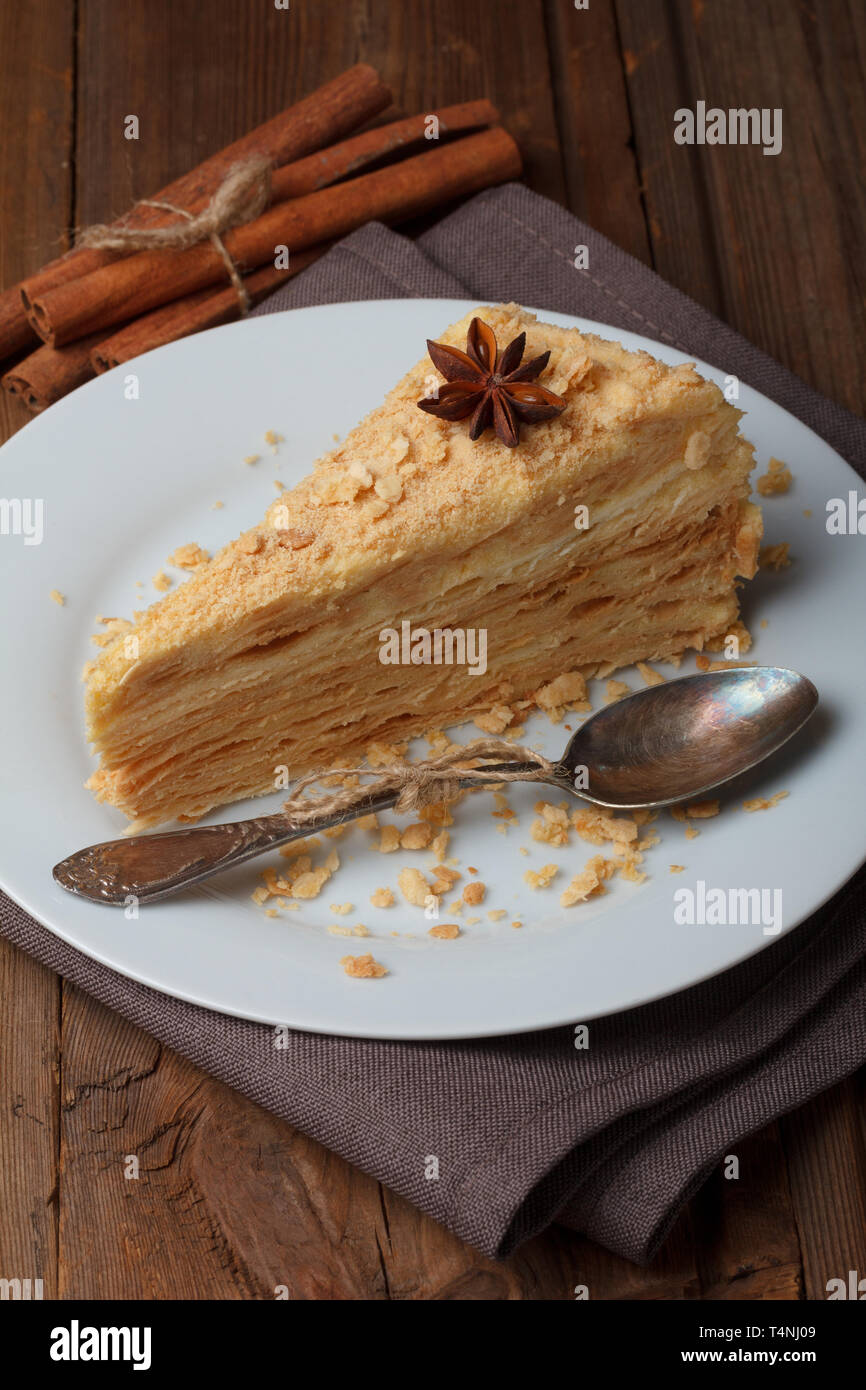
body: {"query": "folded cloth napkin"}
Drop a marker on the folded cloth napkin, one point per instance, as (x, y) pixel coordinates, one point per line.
(611, 1140)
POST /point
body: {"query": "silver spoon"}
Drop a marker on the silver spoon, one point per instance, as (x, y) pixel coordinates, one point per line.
(668, 743)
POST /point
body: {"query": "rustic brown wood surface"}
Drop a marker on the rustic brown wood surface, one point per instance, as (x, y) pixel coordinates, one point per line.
(230, 1202)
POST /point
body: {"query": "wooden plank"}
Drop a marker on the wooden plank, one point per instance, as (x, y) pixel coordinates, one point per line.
(191, 1226)
(594, 122)
(746, 1238)
(36, 52)
(36, 104)
(771, 243)
(451, 51)
(679, 218)
(229, 1202)
(29, 1026)
(827, 1167)
(672, 1275)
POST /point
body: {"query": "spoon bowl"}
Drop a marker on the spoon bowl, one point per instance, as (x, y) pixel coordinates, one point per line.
(677, 741)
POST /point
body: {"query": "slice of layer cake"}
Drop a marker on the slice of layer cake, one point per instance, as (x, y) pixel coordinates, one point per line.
(612, 533)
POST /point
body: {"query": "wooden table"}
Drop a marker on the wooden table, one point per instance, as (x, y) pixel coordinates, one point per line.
(231, 1201)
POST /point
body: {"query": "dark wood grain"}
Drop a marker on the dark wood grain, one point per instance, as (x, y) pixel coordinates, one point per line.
(36, 104)
(826, 1159)
(745, 1229)
(37, 52)
(773, 244)
(230, 1202)
(603, 183)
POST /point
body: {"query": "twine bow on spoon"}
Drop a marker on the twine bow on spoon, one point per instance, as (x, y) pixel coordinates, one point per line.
(419, 784)
(242, 196)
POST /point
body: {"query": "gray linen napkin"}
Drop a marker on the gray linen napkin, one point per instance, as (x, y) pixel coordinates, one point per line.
(612, 1140)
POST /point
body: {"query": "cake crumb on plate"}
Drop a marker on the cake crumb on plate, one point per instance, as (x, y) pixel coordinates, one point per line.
(363, 967)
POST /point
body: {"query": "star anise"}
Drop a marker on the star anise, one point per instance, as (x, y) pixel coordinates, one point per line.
(491, 386)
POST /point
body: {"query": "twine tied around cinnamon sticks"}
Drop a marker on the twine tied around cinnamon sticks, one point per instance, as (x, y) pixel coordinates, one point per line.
(419, 784)
(242, 196)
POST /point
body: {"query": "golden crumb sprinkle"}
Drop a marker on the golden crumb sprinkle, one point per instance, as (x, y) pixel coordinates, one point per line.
(444, 879)
(161, 581)
(363, 967)
(445, 931)
(57, 597)
(580, 888)
(474, 893)
(272, 438)
(186, 557)
(517, 925)
(310, 884)
(495, 721)
(775, 557)
(416, 836)
(761, 803)
(383, 897)
(567, 689)
(703, 810)
(496, 914)
(439, 844)
(650, 674)
(389, 840)
(543, 878)
(692, 832)
(614, 690)
(389, 488)
(292, 538)
(776, 479)
(678, 868)
(252, 458)
(599, 827)
(414, 887)
(381, 754)
(590, 882)
(217, 506)
(341, 909)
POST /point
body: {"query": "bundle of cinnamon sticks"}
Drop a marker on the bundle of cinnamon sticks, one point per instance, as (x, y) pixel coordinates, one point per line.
(94, 308)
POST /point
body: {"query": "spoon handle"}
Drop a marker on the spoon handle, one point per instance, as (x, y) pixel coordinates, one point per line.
(145, 868)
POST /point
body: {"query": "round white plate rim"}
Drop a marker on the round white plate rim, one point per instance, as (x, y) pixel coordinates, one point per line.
(20, 894)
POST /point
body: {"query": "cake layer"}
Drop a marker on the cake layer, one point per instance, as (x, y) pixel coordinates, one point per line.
(611, 534)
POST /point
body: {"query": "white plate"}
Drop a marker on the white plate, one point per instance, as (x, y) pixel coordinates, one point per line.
(126, 481)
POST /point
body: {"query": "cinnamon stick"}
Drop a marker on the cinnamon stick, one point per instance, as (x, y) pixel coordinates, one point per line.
(49, 373)
(327, 166)
(16, 333)
(205, 309)
(319, 119)
(132, 286)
